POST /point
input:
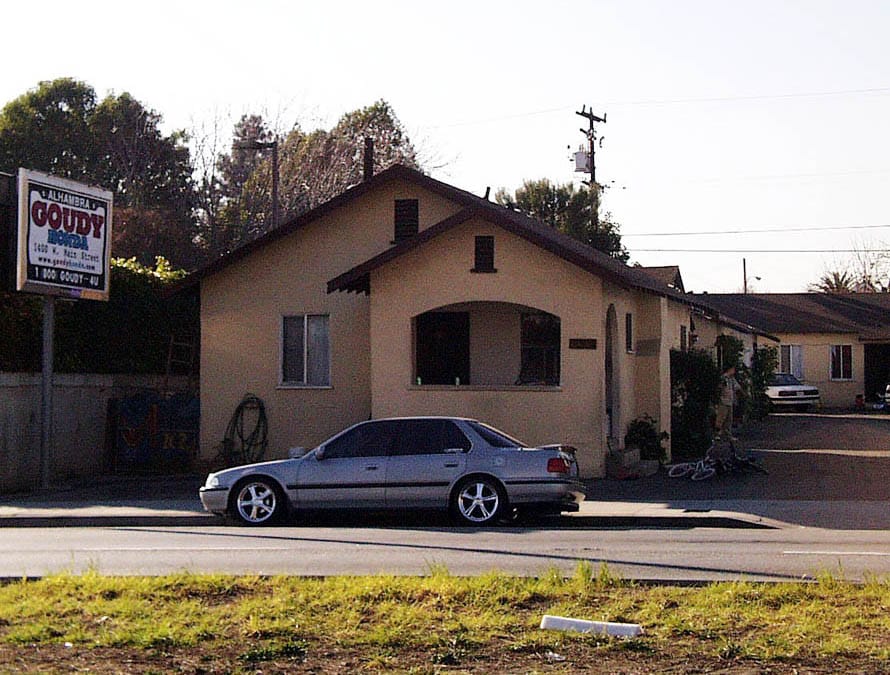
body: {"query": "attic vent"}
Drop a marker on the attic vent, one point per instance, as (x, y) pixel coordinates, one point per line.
(406, 219)
(484, 254)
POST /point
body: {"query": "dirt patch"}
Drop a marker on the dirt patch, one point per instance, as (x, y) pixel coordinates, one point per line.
(629, 658)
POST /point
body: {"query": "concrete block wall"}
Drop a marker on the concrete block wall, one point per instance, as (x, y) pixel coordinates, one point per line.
(80, 405)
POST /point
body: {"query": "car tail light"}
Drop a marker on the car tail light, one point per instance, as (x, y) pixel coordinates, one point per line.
(557, 465)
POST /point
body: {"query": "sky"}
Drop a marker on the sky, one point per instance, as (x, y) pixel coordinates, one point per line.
(743, 140)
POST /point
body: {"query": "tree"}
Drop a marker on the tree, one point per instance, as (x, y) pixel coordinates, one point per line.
(320, 165)
(313, 168)
(61, 129)
(47, 129)
(866, 271)
(834, 282)
(569, 210)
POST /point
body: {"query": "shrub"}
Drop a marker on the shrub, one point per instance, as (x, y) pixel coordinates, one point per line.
(643, 433)
(695, 390)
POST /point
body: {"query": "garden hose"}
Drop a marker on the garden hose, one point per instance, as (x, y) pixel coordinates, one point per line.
(239, 447)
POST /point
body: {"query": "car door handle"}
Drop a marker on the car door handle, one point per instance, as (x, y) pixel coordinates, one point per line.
(371, 468)
(452, 466)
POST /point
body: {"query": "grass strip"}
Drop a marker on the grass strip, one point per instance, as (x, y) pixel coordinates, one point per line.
(446, 620)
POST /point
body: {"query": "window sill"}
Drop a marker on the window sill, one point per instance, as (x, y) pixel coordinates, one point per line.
(304, 386)
(486, 387)
(483, 271)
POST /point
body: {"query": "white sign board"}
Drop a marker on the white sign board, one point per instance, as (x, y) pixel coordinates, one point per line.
(64, 237)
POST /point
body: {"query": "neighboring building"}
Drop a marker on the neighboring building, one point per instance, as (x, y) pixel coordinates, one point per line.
(405, 295)
(839, 342)
(669, 275)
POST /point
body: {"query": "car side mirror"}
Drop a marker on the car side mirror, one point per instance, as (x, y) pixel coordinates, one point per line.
(319, 453)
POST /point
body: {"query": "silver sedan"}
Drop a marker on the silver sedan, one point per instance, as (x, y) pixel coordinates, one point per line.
(481, 475)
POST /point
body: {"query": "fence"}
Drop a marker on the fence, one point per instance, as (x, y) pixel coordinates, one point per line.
(86, 439)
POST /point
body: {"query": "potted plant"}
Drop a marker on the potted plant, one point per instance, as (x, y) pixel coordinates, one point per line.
(642, 433)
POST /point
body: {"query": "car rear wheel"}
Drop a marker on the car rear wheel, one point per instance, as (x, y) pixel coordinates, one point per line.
(478, 501)
(257, 501)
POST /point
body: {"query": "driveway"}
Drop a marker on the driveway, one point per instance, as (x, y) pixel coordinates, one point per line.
(818, 464)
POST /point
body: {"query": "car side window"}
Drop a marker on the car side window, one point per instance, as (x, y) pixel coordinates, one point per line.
(455, 438)
(429, 437)
(419, 437)
(372, 439)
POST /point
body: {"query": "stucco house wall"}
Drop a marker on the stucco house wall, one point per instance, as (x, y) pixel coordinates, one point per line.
(526, 276)
(243, 304)
(341, 261)
(816, 355)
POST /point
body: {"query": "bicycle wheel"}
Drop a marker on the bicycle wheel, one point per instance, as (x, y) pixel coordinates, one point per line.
(681, 470)
(703, 471)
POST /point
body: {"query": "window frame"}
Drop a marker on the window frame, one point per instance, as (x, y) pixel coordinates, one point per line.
(794, 360)
(307, 356)
(845, 365)
(532, 351)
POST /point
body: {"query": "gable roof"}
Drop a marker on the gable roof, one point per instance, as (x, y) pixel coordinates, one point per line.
(866, 315)
(548, 238)
(552, 240)
(394, 172)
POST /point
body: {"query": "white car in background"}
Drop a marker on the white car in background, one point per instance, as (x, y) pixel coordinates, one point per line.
(786, 391)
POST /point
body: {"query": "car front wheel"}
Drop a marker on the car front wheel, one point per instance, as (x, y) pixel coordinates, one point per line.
(257, 501)
(478, 501)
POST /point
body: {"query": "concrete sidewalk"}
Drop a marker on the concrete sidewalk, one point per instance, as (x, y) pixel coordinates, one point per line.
(655, 502)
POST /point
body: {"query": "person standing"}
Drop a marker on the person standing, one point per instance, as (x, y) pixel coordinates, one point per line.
(728, 388)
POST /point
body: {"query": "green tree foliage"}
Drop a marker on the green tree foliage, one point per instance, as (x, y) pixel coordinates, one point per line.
(764, 362)
(569, 210)
(313, 167)
(834, 282)
(695, 390)
(61, 128)
(130, 333)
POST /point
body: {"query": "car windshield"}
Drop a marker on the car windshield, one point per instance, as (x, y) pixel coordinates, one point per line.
(495, 438)
(784, 378)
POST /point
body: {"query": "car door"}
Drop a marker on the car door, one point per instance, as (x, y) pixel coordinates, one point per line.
(427, 456)
(349, 470)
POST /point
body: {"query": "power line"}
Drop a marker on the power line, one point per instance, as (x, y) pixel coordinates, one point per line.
(675, 101)
(757, 231)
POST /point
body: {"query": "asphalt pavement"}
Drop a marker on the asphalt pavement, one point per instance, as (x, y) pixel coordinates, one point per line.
(818, 477)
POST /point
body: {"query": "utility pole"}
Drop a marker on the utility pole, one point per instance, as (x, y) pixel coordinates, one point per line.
(590, 133)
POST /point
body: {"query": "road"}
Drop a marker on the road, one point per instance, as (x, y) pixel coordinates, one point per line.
(696, 554)
(824, 506)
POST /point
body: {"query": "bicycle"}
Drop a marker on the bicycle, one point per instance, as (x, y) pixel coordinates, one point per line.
(717, 459)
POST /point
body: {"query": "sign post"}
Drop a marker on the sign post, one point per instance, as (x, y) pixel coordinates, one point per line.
(64, 250)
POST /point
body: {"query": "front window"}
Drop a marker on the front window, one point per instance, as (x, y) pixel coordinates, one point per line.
(791, 360)
(443, 348)
(305, 350)
(540, 349)
(841, 362)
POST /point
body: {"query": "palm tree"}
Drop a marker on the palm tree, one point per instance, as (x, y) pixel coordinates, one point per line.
(835, 282)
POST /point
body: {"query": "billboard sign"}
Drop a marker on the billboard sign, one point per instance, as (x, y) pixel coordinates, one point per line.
(64, 231)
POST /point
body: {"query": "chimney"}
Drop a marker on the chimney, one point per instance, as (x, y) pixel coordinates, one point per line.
(369, 158)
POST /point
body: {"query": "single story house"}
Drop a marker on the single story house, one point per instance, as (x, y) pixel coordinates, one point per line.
(839, 342)
(407, 296)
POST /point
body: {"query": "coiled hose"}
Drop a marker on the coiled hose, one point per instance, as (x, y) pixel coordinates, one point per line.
(239, 447)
